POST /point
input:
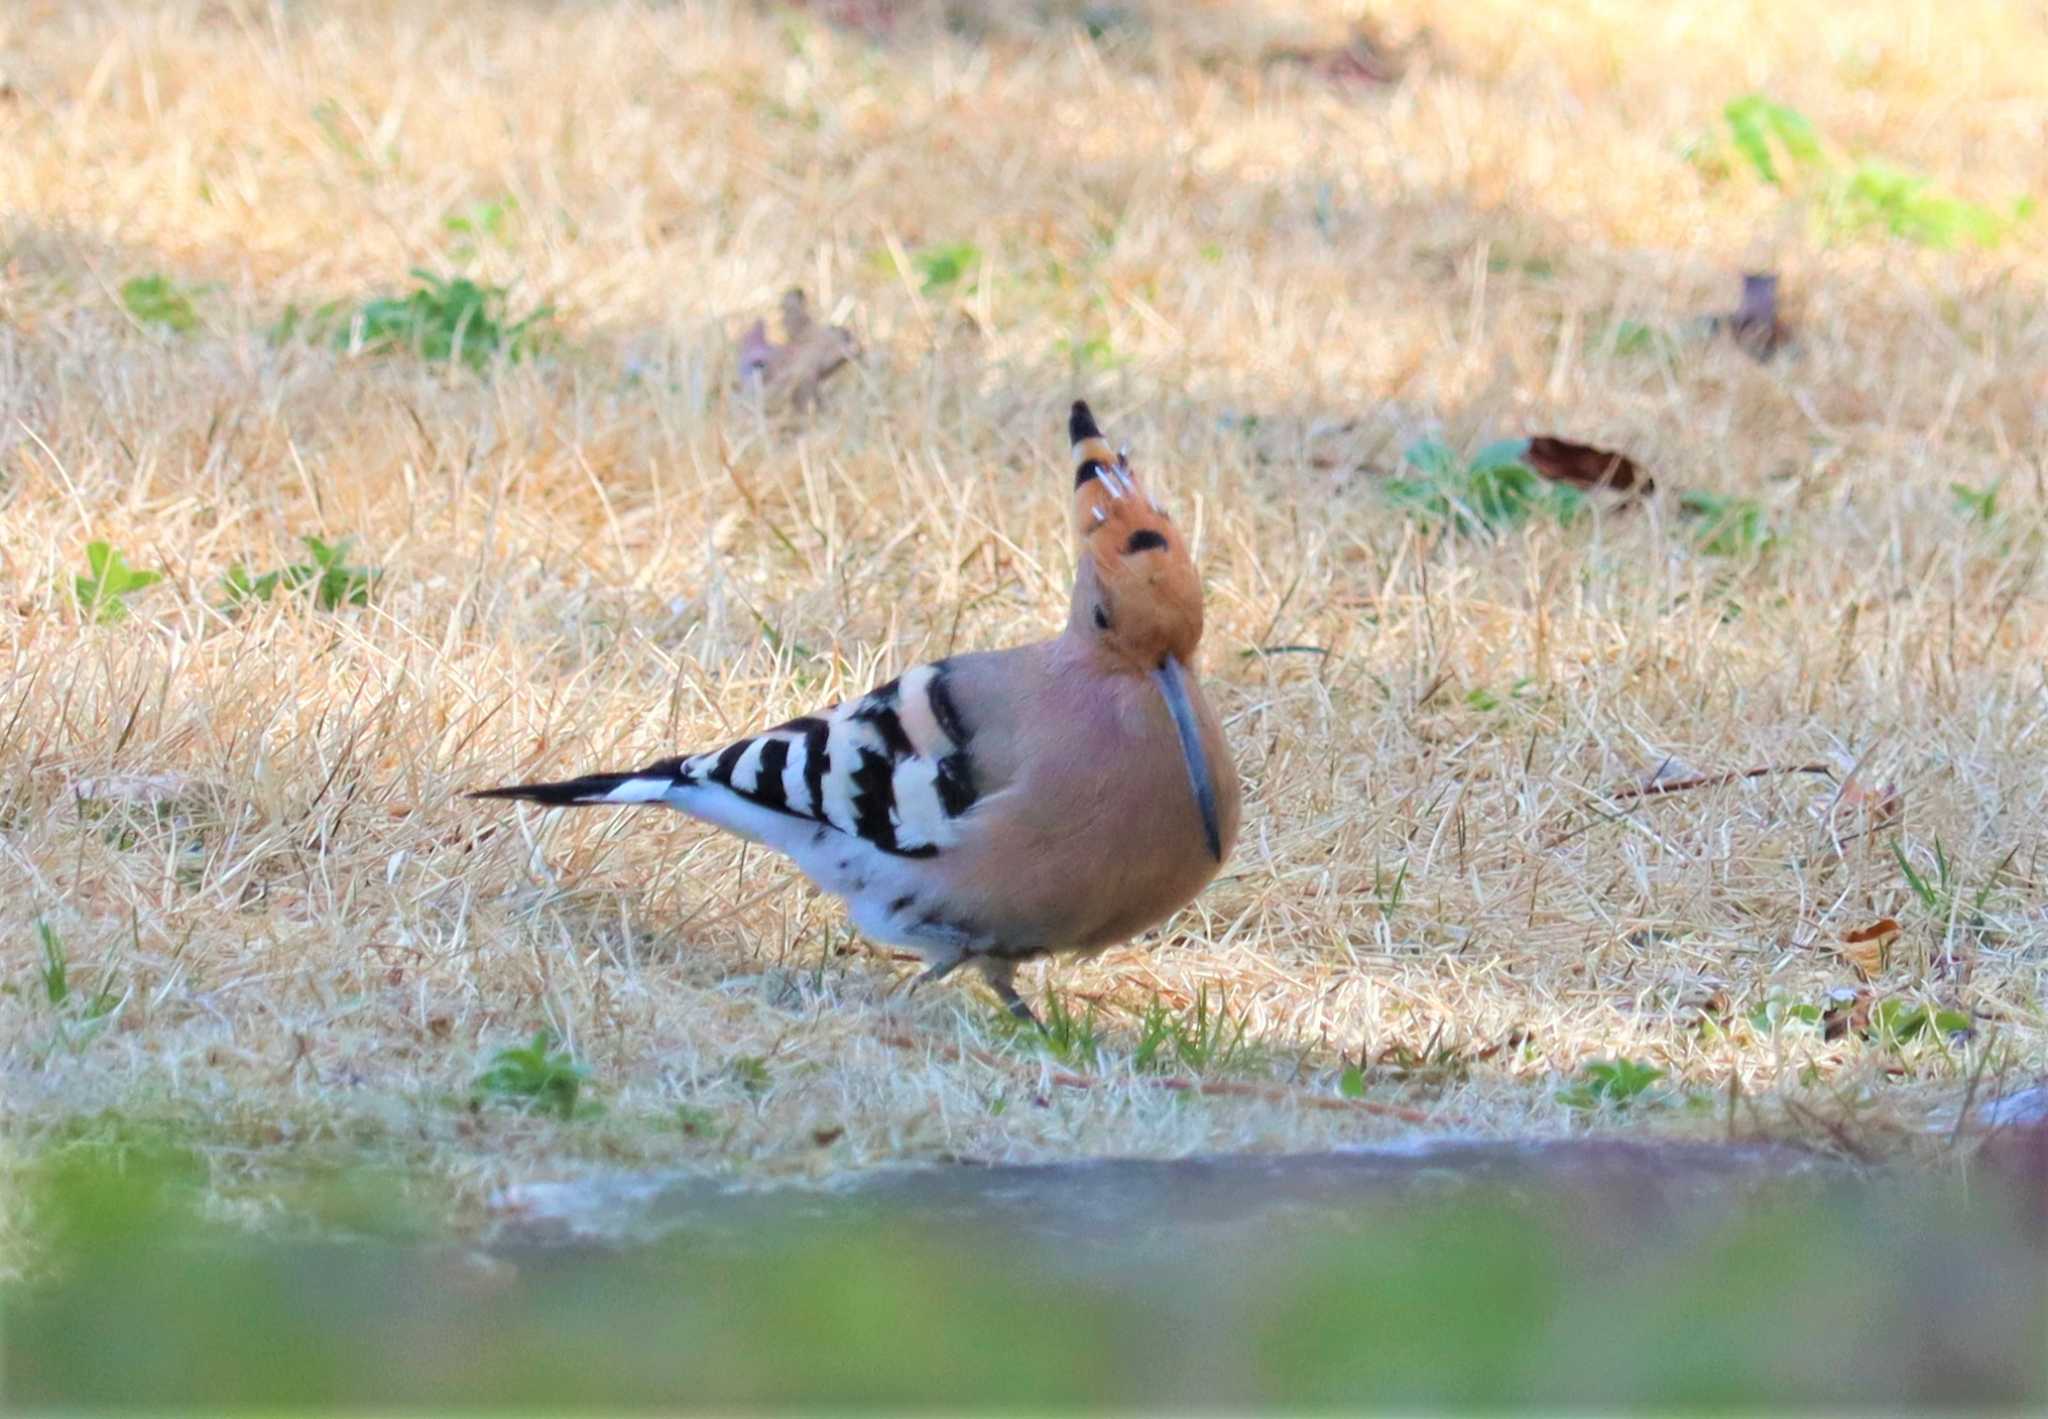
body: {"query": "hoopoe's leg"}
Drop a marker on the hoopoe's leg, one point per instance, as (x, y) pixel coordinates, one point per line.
(936, 971)
(998, 970)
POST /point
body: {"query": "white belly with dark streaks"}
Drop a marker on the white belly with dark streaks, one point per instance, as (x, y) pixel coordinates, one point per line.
(891, 899)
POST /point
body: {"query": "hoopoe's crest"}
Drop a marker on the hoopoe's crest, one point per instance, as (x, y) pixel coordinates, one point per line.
(998, 805)
(1137, 585)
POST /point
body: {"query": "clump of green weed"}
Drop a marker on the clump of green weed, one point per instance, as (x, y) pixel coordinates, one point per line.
(1852, 197)
(1073, 1040)
(1759, 127)
(537, 1078)
(1950, 907)
(1895, 1024)
(1874, 195)
(1630, 338)
(109, 582)
(942, 266)
(1977, 504)
(479, 222)
(334, 582)
(695, 1122)
(1208, 1038)
(1493, 491)
(1730, 526)
(1613, 1082)
(1487, 701)
(442, 319)
(79, 1018)
(1781, 1012)
(750, 1072)
(158, 300)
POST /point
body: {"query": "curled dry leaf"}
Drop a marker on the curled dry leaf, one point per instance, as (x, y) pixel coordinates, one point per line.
(1581, 465)
(1868, 949)
(795, 369)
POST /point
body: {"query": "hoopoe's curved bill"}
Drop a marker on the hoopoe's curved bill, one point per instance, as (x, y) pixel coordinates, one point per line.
(1172, 679)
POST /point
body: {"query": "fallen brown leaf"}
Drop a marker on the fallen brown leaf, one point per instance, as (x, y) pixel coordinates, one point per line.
(1846, 1015)
(794, 370)
(1869, 948)
(1583, 466)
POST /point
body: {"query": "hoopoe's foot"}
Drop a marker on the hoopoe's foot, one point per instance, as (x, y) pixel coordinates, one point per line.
(938, 971)
(1019, 1007)
(999, 973)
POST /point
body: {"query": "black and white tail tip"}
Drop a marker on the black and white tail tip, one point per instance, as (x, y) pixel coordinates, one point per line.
(647, 786)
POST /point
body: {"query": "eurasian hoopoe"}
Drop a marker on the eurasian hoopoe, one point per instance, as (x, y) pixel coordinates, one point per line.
(1000, 805)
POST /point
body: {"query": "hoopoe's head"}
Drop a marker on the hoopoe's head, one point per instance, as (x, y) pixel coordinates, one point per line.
(1137, 596)
(1136, 593)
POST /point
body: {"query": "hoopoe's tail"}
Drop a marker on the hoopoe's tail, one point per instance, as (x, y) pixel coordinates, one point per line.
(642, 787)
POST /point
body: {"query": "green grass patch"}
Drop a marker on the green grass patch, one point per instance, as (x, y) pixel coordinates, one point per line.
(537, 1078)
(444, 320)
(1728, 526)
(109, 581)
(1612, 1083)
(331, 579)
(1493, 491)
(1073, 1038)
(1979, 505)
(941, 267)
(1201, 1040)
(158, 300)
(1854, 197)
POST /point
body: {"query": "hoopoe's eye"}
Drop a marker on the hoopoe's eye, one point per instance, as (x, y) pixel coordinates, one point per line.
(1101, 619)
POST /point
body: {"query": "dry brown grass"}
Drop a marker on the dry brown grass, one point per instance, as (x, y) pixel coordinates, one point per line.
(315, 944)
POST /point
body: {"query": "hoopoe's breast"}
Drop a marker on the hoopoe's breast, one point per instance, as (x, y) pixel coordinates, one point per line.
(1097, 835)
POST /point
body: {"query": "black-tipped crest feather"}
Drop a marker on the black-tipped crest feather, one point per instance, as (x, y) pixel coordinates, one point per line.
(1081, 423)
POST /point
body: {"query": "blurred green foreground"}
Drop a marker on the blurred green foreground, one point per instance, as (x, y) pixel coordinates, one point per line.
(1836, 1292)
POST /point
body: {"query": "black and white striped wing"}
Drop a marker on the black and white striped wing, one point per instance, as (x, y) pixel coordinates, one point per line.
(893, 769)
